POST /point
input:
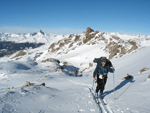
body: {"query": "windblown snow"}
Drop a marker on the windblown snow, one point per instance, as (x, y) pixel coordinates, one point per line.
(37, 72)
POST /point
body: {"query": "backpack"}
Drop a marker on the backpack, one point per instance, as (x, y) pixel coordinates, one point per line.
(108, 62)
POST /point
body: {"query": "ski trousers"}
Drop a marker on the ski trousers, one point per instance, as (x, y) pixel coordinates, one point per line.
(101, 84)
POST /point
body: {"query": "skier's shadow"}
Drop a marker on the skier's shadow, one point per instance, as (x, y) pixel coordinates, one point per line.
(123, 83)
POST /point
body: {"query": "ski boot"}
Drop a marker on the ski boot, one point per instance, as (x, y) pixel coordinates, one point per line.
(101, 95)
(96, 95)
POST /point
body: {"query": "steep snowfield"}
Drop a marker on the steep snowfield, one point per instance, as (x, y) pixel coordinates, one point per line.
(63, 93)
(131, 95)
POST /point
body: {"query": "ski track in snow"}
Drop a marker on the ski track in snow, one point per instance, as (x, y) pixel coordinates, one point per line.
(102, 108)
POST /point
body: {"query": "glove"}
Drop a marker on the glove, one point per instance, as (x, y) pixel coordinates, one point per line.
(101, 77)
(113, 68)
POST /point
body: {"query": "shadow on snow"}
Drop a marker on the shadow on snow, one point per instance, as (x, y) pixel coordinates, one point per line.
(8, 48)
(123, 83)
(69, 70)
(22, 67)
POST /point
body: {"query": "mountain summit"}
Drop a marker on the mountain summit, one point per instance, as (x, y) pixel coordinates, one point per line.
(39, 32)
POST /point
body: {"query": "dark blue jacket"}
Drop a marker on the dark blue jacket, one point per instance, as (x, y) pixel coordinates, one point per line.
(100, 70)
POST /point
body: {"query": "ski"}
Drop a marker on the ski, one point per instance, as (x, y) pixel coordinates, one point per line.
(101, 99)
(104, 103)
(96, 100)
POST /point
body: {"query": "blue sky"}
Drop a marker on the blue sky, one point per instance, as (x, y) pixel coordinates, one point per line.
(74, 16)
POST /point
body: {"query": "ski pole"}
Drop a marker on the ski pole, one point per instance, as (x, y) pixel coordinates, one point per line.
(93, 85)
(114, 84)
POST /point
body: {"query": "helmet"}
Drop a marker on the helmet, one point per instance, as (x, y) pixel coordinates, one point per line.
(103, 59)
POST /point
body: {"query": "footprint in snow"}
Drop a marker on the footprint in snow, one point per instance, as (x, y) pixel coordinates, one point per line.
(81, 110)
(93, 110)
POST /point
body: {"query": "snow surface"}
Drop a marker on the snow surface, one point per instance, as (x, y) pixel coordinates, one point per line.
(69, 94)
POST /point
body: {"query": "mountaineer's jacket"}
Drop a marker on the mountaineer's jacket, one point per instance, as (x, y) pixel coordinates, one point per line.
(100, 70)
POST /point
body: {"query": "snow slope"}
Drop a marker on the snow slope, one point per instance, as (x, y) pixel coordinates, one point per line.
(63, 93)
(131, 95)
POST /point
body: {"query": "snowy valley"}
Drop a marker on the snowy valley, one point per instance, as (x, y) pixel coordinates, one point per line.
(37, 72)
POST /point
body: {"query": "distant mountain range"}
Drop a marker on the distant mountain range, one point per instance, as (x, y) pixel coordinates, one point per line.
(36, 37)
(70, 47)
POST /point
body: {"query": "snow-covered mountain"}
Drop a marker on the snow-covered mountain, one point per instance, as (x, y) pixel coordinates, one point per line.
(36, 37)
(40, 32)
(54, 64)
(80, 49)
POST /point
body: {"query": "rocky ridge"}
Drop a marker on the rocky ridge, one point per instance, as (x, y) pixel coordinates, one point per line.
(114, 45)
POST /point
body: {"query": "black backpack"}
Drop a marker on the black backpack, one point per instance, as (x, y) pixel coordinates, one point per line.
(108, 62)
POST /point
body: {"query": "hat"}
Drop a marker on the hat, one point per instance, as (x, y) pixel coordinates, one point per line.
(103, 59)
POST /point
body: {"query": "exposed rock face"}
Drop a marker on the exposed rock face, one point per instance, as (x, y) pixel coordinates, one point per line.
(71, 36)
(128, 77)
(119, 47)
(115, 46)
(134, 46)
(76, 38)
(33, 84)
(40, 31)
(67, 41)
(61, 45)
(112, 48)
(21, 53)
(88, 31)
(51, 60)
(35, 33)
(27, 84)
(144, 69)
(70, 45)
(89, 35)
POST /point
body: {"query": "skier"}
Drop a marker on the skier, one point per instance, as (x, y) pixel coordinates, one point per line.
(76, 73)
(103, 67)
